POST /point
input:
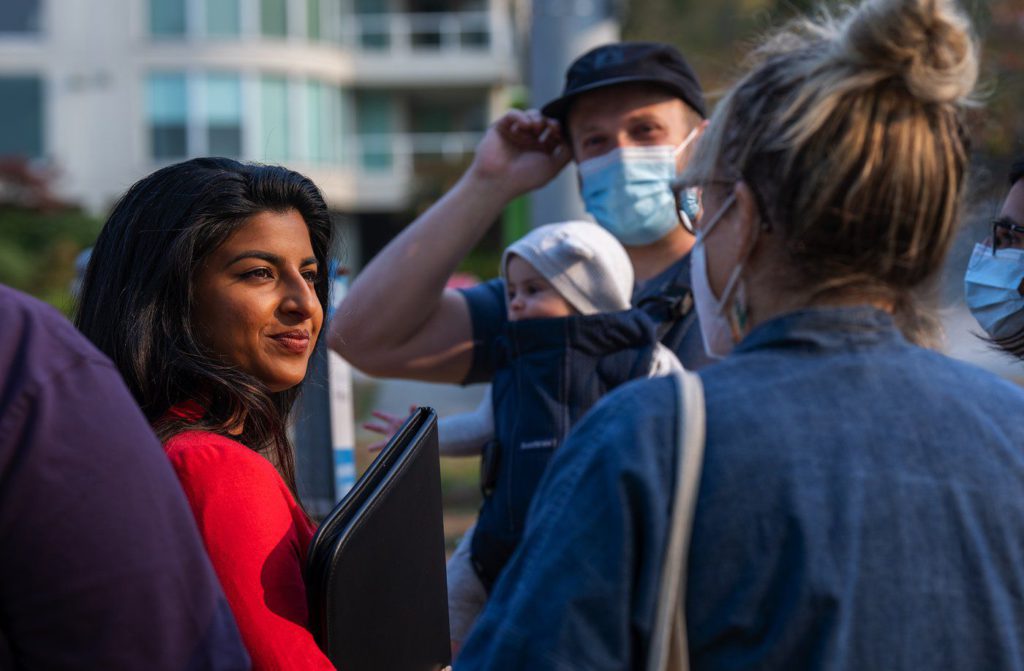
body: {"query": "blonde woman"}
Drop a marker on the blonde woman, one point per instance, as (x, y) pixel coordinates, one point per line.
(860, 501)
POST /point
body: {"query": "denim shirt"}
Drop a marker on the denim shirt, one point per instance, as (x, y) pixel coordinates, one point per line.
(861, 506)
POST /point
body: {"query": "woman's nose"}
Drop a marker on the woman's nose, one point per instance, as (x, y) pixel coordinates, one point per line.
(300, 299)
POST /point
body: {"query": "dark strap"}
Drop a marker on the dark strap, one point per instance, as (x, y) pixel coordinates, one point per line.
(668, 307)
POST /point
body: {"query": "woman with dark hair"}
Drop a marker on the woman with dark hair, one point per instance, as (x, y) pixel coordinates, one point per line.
(860, 500)
(207, 288)
(994, 284)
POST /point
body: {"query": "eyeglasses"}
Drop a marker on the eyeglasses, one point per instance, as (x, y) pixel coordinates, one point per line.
(1006, 234)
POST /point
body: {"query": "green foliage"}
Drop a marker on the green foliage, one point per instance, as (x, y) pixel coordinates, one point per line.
(38, 250)
(482, 262)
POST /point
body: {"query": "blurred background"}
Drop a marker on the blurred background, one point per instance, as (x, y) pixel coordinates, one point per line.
(381, 103)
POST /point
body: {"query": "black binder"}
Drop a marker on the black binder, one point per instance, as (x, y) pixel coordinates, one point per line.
(375, 573)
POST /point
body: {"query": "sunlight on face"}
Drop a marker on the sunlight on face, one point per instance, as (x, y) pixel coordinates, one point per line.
(530, 295)
(256, 306)
(625, 116)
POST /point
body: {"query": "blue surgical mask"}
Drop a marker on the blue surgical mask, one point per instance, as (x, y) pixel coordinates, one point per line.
(690, 208)
(991, 287)
(627, 191)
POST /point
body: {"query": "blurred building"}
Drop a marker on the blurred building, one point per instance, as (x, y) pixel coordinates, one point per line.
(379, 101)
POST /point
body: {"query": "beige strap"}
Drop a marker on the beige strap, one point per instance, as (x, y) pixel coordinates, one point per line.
(669, 650)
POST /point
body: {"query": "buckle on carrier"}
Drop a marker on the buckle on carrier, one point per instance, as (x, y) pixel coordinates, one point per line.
(490, 457)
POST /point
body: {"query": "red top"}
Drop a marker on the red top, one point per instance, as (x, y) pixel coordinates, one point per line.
(257, 537)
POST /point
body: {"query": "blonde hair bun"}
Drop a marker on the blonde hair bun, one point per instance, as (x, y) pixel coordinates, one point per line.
(927, 43)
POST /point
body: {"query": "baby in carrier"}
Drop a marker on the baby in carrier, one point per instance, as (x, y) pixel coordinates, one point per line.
(571, 338)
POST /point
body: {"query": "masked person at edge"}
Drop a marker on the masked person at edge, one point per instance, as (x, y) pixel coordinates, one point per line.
(859, 505)
(994, 284)
(630, 113)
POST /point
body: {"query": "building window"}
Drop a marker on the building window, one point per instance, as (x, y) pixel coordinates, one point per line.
(274, 116)
(224, 115)
(167, 110)
(330, 20)
(313, 18)
(373, 24)
(374, 122)
(19, 16)
(167, 17)
(274, 18)
(323, 122)
(21, 117)
(223, 18)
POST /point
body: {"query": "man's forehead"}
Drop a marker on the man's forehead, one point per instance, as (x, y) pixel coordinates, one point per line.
(622, 102)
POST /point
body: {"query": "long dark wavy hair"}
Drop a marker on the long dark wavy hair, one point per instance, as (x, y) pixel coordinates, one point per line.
(138, 295)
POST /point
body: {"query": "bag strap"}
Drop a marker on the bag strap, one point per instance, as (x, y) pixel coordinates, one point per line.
(669, 650)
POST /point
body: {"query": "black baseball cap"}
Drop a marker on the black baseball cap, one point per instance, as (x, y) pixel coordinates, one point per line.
(626, 63)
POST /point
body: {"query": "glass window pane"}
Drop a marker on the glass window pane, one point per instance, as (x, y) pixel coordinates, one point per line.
(330, 24)
(223, 18)
(19, 16)
(274, 115)
(274, 17)
(373, 24)
(167, 17)
(313, 19)
(21, 116)
(336, 124)
(167, 111)
(373, 118)
(316, 139)
(224, 115)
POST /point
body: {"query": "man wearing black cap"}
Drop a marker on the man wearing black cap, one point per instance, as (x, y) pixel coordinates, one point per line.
(627, 116)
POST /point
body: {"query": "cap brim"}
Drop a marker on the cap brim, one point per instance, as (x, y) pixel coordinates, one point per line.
(559, 107)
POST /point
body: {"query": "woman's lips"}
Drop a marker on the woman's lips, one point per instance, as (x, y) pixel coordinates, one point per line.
(296, 342)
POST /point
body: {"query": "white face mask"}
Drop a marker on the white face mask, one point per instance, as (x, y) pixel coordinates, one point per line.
(722, 321)
(991, 288)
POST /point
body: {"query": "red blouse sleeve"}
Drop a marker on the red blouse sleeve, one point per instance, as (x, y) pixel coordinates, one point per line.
(256, 537)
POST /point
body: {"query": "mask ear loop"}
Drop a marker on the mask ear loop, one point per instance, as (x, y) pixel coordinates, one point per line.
(685, 143)
(738, 315)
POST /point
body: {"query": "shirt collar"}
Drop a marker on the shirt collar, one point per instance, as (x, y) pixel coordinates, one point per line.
(825, 328)
(189, 411)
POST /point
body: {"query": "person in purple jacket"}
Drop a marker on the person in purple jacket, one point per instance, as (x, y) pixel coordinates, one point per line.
(101, 566)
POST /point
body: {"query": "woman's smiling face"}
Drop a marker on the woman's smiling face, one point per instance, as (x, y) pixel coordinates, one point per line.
(255, 302)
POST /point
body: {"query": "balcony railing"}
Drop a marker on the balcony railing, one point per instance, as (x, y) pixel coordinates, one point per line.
(396, 152)
(451, 32)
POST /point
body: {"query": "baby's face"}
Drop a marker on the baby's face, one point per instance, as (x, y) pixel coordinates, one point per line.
(529, 295)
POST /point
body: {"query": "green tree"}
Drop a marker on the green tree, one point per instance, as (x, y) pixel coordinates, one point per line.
(38, 250)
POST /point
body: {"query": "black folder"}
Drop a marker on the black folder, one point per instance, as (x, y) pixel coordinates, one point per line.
(375, 573)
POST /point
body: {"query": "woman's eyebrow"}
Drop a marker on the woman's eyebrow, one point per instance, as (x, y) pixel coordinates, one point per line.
(255, 254)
